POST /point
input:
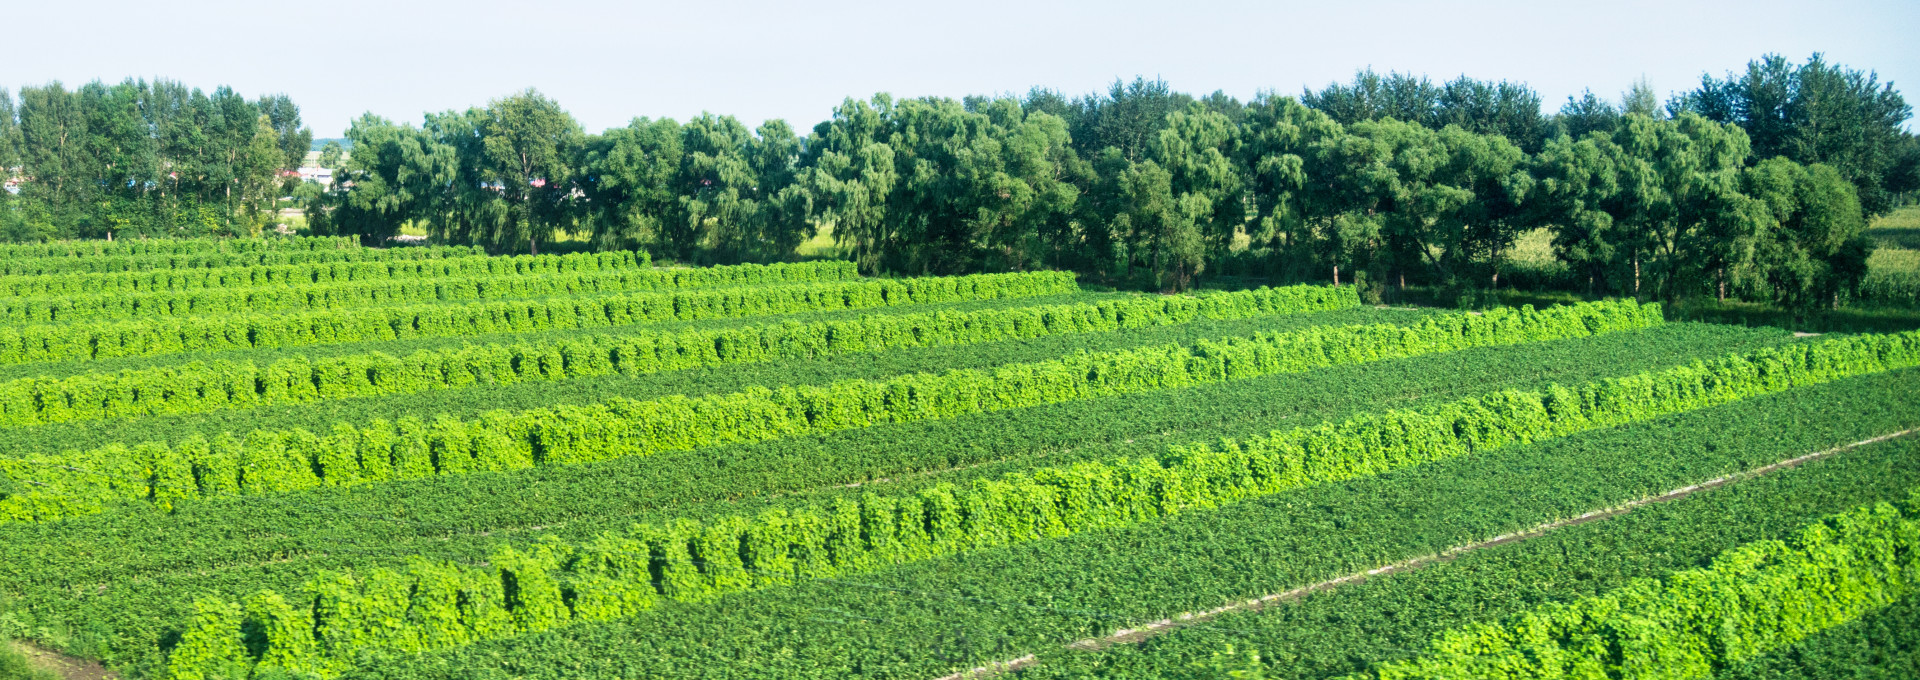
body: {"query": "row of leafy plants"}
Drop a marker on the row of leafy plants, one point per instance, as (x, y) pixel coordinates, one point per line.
(1895, 288)
(1884, 644)
(253, 276)
(201, 387)
(362, 294)
(100, 340)
(1361, 625)
(943, 616)
(99, 248)
(276, 461)
(437, 605)
(1753, 599)
(39, 266)
(241, 544)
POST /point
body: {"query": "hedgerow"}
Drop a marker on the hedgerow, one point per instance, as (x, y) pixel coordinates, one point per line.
(254, 276)
(625, 278)
(279, 542)
(274, 461)
(697, 561)
(99, 248)
(38, 266)
(1753, 599)
(201, 387)
(99, 340)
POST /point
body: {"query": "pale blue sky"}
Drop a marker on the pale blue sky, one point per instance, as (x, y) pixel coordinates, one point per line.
(610, 61)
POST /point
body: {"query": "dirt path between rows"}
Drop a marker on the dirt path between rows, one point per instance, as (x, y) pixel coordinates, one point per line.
(68, 667)
(1163, 626)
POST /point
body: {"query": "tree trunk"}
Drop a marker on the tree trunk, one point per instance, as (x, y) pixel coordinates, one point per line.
(1636, 276)
(1336, 275)
(1723, 284)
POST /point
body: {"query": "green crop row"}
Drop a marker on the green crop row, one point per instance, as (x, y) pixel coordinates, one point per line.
(204, 387)
(362, 294)
(40, 266)
(438, 605)
(1891, 288)
(939, 617)
(269, 461)
(95, 248)
(252, 276)
(238, 545)
(86, 341)
(1753, 599)
(1884, 644)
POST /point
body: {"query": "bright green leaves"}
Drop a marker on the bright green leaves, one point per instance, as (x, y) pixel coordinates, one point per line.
(1754, 599)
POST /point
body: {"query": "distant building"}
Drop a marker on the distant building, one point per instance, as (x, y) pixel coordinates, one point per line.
(311, 173)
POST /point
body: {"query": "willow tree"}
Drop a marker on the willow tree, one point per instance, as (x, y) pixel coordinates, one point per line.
(530, 147)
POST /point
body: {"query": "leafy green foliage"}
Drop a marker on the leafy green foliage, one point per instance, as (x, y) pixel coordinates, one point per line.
(272, 461)
(53, 342)
(1754, 599)
(15, 666)
(242, 257)
(254, 276)
(606, 273)
(236, 545)
(1884, 645)
(173, 246)
(199, 388)
(692, 563)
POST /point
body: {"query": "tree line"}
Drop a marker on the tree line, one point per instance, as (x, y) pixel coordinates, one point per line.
(143, 158)
(1757, 184)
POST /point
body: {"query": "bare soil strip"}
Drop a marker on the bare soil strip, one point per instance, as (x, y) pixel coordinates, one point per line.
(1163, 626)
(67, 667)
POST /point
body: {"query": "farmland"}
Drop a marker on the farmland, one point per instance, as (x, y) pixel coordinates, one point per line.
(300, 457)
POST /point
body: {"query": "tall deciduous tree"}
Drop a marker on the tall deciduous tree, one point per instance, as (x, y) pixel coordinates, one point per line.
(395, 174)
(1197, 149)
(853, 175)
(531, 145)
(1819, 112)
(1817, 251)
(630, 182)
(1127, 117)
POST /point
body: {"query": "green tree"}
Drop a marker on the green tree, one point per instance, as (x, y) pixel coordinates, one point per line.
(293, 140)
(1579, 185)
(531, 145)
(53, 138)
(1197, 149)
(396, 174)
(1371, 96)
(1279, 161)
(630, 183)
(258, 174)
(1640, 100)
(1817, 250)
(1127, 117)
(331, 154)
(1819, 112)
(1588, 114)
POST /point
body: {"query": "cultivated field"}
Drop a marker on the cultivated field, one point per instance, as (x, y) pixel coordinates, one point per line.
(300, 458)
